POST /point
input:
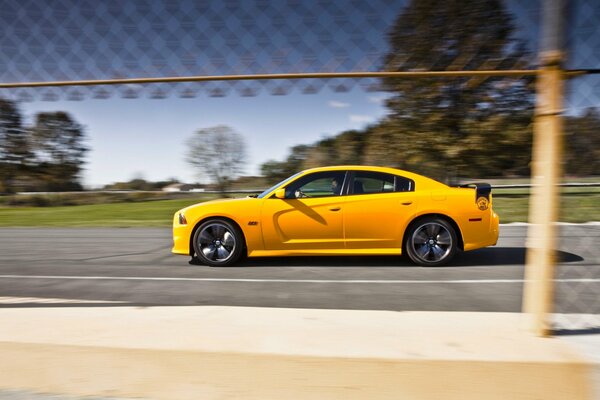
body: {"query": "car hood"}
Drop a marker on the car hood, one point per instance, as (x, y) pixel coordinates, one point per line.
(227, 202)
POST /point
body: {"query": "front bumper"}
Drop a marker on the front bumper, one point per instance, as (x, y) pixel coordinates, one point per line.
(181, 237)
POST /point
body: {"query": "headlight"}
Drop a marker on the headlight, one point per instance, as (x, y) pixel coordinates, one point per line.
(182, 220)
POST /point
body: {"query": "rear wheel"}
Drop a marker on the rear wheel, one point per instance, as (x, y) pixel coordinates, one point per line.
(218, 243)
(431, 242)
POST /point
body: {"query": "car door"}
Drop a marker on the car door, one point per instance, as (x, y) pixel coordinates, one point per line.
(309, 218)
(377, 209)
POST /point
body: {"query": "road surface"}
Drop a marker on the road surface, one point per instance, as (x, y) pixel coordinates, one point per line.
(132, 266)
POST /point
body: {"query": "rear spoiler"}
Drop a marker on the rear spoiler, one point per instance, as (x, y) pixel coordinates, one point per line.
(482, 189)
(482, 193)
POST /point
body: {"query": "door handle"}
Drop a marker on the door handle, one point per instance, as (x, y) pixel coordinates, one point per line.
(407, 203)
(335, 208)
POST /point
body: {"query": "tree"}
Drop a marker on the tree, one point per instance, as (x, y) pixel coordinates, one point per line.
(344, 148)
(15, 151)
(349, 146)
(275, 171)
(58, 143)
(321, 154)
(445, 127)
(438, 124)
(582, 144)
(217, 152)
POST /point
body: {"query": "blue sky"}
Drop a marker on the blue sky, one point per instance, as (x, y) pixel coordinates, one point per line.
(146, 137)
(70, 39)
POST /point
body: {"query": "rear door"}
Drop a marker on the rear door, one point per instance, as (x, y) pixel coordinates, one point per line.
(377, 209)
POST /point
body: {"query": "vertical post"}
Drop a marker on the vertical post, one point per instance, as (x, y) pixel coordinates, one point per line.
(538, 293)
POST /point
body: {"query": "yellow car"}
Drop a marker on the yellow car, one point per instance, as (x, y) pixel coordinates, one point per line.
(342, 210)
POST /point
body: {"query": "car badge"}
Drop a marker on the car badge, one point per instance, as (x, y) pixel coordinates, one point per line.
(483, 203)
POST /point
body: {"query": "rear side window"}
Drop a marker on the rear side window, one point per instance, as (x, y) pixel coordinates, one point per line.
(366, 182)
(404, 184)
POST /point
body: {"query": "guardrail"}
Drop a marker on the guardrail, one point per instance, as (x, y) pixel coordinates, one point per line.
(251, 191)
(527, 186)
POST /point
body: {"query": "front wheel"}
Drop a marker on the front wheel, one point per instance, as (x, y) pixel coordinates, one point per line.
(431, 242)
(218, 243)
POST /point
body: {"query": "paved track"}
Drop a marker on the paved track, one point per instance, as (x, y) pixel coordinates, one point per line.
(113, 267)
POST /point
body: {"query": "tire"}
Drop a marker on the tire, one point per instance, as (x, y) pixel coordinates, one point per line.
(431, 242)
(218, 243)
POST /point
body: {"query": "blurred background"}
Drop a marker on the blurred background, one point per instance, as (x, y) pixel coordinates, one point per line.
(448, 128)
(138, 137)
(147, 149)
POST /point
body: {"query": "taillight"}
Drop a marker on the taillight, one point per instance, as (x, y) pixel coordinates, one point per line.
(483, 194)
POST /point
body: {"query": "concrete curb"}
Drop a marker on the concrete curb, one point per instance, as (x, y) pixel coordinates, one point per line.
(264, 353)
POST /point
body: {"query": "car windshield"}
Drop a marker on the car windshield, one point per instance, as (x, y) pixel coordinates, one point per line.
(266, 192)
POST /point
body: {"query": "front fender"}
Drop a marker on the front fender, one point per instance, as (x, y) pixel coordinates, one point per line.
(243, 212)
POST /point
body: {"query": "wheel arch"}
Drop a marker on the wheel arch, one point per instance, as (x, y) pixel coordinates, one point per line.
(215, 217)
(445, 217)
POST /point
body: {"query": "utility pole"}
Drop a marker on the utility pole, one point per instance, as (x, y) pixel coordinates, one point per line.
(538, 295)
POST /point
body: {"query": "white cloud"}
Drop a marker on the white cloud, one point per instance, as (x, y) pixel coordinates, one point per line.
(377, 99)
(337, 104)
(361, 118)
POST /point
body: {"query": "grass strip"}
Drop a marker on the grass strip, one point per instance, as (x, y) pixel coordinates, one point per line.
(149, 213)
(575, 207)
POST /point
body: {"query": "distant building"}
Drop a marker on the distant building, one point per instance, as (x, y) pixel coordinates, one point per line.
(182, 187)
(177, 187)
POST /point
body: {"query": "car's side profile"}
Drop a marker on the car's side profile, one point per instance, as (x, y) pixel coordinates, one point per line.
(342, 210)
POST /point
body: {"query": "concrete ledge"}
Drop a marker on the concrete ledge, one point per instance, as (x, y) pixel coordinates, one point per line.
(264, 353)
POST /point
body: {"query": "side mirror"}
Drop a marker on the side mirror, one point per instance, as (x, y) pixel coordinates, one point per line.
(280, 193)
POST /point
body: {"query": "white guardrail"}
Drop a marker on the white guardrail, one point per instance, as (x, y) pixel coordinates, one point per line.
(252, 191)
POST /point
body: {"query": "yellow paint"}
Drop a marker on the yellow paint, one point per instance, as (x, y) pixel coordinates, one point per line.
(337, 225)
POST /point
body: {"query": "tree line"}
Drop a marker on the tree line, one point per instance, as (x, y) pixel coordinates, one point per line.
(374, 146)
(46, 155)
(452, 127)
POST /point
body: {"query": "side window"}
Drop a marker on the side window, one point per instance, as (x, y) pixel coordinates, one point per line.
(319, 184)
(366, 182)
(404, 184)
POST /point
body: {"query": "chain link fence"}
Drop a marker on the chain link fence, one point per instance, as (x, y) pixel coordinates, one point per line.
(577, 296)
(83, 40)
(73, 40)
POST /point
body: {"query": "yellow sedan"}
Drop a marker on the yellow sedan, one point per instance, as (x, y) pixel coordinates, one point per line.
(342, 210)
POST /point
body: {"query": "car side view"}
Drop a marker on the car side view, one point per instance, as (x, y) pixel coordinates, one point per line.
(342, 210)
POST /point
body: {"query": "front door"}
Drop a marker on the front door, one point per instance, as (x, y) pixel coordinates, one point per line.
(309, 218)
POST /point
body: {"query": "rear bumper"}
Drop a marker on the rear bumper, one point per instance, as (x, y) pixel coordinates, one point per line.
(479, 233)
(495, 227)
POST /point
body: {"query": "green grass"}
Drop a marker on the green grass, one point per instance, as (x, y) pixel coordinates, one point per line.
(149, 213)
(575, 207)
(512, 207)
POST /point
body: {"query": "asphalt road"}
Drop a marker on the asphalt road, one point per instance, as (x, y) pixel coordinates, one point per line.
(131, 266)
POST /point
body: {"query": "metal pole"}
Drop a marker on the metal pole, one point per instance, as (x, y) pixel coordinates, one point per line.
(538, 293)
(315, 75)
